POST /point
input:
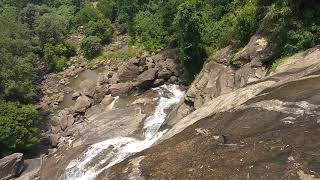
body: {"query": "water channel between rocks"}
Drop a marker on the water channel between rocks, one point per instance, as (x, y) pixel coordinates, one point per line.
(101, 156)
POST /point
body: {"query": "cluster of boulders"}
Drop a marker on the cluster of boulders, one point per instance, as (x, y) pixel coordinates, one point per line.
(137, 74)
(142, 73)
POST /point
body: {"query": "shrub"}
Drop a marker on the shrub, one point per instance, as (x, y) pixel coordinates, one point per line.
(148, 26)
(189, 25)
(51, 28)
(60, 63)
(101, 29)
(87, 14)
(91, 46)
(17, 127)
(54, 55)
(107, 8)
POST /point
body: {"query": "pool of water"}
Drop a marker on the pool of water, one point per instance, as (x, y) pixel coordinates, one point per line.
(88, 74)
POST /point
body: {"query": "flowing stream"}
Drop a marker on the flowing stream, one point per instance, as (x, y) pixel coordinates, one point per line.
(103, 155)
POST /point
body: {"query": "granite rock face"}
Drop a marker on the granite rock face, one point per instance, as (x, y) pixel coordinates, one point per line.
(11, 166)
(265, 127)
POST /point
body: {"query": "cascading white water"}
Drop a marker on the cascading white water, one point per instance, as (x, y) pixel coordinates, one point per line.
(103, 155)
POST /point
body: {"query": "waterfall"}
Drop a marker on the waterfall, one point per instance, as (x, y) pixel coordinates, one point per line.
(103, 155)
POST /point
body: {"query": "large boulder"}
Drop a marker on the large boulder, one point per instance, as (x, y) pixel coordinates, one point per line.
(129, 71)
(88, 88)
(146, 79)
(204, 87)
(11, 166)
(258, 49)
(120, 89)
(82, 104)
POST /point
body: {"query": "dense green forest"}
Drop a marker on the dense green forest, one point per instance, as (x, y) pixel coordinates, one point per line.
(32, 31)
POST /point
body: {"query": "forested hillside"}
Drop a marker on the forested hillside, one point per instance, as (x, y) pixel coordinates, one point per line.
(36, 31)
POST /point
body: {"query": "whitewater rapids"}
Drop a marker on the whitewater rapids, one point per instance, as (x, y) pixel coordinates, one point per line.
(101, 156)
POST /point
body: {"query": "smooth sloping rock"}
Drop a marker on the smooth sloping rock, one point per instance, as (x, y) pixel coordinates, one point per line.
(203, 89)
(116, 123)
(264, 140)
(294, 68)
(267, 129)
(11, 166)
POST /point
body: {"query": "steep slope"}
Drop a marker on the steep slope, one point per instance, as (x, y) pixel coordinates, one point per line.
(266, 129)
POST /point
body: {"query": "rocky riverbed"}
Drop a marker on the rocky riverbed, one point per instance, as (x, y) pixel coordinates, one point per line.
(237, 120)
(240, 123)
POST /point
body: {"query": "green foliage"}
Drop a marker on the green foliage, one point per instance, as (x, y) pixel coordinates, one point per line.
(91, 46)
(189, 23)
(29, 29)
(31, 12)
(17, 127)
(51, 28)
(60, 63)
(54, 55)
(87, 14)
(17, 74)
(107, 8)
(153, 36)
(293, 25)
(101, 29)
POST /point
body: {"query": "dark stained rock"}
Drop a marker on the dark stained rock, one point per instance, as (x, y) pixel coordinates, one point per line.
(158, 82)
(257, 138)
(146, 79)
(11, 166)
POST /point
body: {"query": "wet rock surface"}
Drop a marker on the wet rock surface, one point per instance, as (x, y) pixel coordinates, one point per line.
(262, 143)
(264, 129)
(236, 121)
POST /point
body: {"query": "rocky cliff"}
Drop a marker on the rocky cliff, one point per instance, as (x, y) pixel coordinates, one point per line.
(238, 121)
